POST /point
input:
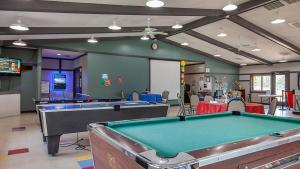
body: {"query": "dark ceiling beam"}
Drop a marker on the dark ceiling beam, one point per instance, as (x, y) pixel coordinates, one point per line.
(35, 42)
(88, 8)
(264, 33)
(227, 47)
(193, 25)
(244, 7)
(198, 51)
(75, 30)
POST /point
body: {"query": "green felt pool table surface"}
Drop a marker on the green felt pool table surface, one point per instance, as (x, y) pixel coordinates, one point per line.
(169, 136)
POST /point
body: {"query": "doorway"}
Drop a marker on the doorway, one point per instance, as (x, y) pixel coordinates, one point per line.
(77, 74)
(281, 83)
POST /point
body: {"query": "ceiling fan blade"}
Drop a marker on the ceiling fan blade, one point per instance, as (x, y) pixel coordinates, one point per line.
(152, 36)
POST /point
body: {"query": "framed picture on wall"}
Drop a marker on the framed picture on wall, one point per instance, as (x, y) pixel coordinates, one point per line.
(59, 81)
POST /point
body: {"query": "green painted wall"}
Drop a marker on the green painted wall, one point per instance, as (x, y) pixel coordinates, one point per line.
(26, 84)
(135, 72)
(142, 48)
(108, 57)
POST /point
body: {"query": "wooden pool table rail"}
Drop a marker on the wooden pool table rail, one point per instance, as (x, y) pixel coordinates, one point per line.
(233, 155)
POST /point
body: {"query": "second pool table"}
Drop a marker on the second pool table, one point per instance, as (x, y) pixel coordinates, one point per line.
(225, 141)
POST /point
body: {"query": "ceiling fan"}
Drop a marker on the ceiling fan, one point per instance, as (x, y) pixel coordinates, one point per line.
(151, 32)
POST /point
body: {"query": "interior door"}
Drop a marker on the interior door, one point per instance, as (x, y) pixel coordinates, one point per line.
(77, 81)
(281, 82)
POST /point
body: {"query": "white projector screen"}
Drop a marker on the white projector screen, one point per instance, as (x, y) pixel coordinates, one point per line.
(165, 75)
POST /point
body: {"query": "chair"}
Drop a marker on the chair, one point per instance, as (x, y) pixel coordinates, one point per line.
(194, 102)
(272, 108)
(165, 96)
(219, 94)
(236, 104)
(183, 109)
(208, 99)
(135, 96)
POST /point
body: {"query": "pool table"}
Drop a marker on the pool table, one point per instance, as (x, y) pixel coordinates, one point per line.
(59, 119)
(230, 140)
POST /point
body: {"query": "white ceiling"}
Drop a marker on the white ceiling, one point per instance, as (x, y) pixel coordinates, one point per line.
(262, 18)
(239, 37)
(42, 19)
(204, 4)
(246, 40)
(211, 49)
(51, 53)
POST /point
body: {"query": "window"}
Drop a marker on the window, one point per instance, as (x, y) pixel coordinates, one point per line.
(261, 82)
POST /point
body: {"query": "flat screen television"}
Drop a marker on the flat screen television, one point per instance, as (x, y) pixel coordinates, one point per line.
(9, 66)
(59, 81)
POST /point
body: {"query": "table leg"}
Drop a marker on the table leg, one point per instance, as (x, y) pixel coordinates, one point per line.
(53, 144)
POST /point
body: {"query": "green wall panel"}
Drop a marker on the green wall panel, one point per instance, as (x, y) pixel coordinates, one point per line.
(134, 71)
(129, 57)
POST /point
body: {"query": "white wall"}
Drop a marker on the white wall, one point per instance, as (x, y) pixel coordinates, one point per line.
(245, 72)
(295, 66)
(165, 75)
(10, 105)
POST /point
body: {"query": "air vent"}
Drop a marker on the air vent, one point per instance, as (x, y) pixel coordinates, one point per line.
(295, 25)
(285, 53)
(238, 59)
(291, 1)
(274, 5)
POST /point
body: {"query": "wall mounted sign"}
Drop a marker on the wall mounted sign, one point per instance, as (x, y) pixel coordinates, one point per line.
(45, 87)
(120, 80)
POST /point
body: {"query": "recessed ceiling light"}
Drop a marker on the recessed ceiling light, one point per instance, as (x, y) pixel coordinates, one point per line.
(243, 64)
(217, 55)
(222, 35)
(19, 26)
(114, 26)
(185, 44)
(278, 21)
(144, 37)
(92, 40)
(155, 3)
(230, 7)
(283, 61)
(19, 43)
(177, 26)
(58, 54)
(256, 50)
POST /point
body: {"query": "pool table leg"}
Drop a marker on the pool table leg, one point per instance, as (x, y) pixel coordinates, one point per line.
(53, 144)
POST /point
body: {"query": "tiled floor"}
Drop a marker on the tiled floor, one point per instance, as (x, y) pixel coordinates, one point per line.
(22, 135)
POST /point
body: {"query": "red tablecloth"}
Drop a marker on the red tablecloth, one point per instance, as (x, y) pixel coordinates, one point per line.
(206, 108)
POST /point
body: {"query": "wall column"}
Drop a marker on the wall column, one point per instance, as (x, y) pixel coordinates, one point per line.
(39, 72)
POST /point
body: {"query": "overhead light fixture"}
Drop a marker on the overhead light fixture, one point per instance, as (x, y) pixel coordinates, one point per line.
(144, 37)
(19, 42)
(185, 44)
(222, 35)
(217, 55)
(230, 7)
(114, 26)
(177, 26)
(19, 26)
(256, 50)
(278, 21)
(283, 61)
(92, 40)
(58, 54)
(243, 64)
(155, 3)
